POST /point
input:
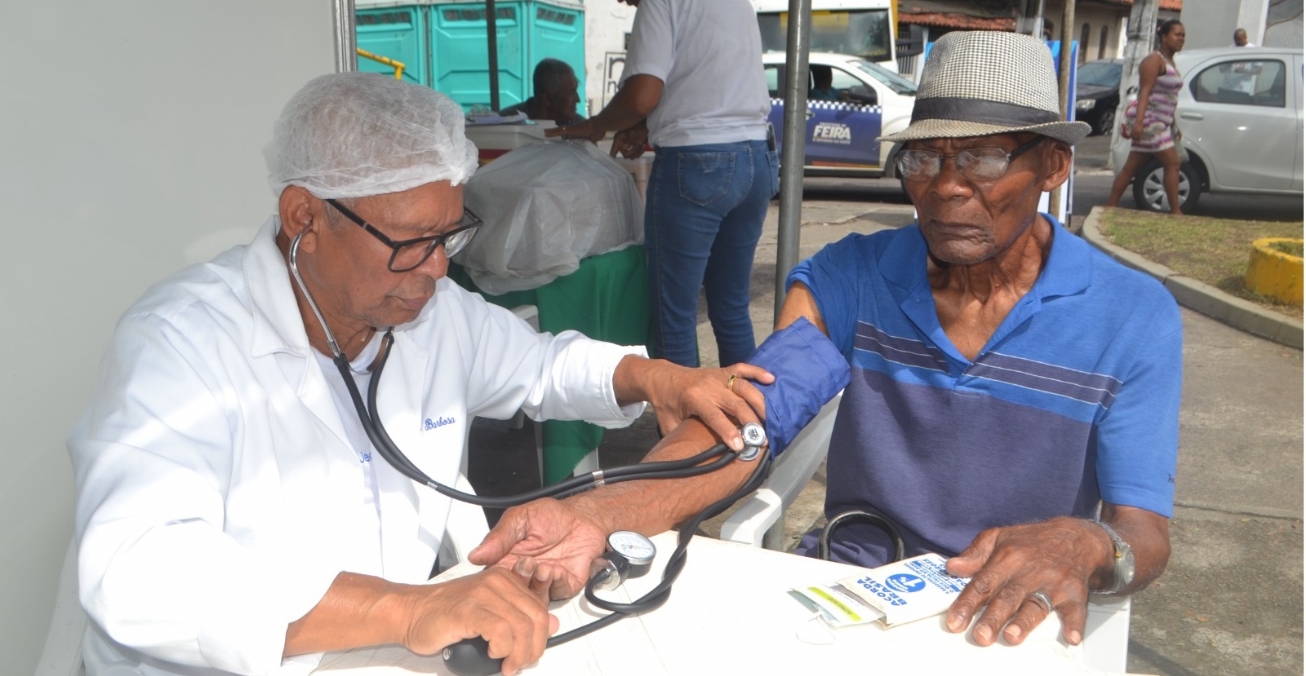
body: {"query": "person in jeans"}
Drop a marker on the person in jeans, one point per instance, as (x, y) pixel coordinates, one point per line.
(693, 86)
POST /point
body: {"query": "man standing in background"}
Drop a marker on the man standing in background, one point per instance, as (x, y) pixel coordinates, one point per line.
(694, 88)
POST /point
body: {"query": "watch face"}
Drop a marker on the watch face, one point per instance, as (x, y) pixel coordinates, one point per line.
(1125, 569)
(636, 548)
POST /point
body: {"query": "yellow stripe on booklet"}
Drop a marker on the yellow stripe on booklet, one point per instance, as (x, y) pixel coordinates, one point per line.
(893, 594)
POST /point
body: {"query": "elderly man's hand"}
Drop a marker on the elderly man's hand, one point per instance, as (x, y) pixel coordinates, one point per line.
(548, 541)
(723, 398)
(1007, 566)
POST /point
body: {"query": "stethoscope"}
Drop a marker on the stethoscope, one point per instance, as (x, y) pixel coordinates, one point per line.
(628, 554)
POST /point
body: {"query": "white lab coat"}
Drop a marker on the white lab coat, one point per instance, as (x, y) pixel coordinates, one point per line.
(217, 495)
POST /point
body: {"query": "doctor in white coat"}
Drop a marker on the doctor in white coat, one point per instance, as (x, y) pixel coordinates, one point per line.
(231, 513)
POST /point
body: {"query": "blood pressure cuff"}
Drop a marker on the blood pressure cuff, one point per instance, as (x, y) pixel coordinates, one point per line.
(808, 370)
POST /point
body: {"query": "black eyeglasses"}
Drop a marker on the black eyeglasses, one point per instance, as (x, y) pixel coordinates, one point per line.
(976, 164)
(410, 253)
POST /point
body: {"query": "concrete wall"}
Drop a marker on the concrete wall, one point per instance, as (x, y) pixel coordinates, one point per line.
(1210, 23)
(1097, 17)
(606, 24)
(131, 137)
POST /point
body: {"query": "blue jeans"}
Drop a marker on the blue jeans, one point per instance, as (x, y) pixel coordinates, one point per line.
(702, 221)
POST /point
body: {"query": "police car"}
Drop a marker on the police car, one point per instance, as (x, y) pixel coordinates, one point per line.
(850, 103)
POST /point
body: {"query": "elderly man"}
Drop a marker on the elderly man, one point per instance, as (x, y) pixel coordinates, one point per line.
(231, 513)
(1012, 395)
(555, 98)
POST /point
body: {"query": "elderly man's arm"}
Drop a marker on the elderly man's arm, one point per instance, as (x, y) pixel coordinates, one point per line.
(563, 537)
(1064, 558)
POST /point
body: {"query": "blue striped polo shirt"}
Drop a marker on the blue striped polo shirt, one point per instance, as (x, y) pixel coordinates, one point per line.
(1074, 399)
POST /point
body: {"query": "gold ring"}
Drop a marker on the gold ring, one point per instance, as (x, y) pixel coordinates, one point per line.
(730, 384)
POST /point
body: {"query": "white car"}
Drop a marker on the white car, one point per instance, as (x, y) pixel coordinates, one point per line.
(862, 102)
(1240, 112)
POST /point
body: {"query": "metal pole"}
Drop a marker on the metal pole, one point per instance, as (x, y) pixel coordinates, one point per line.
(1063, 91)
(492, 36)
(795, 145)
(342, 18)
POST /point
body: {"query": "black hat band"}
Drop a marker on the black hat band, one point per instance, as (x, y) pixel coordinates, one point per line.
(981, 111)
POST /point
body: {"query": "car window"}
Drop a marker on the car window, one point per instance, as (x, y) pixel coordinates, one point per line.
(773, 80)
(1246, 82)
(852, 89)
(1099, 73)
(896, 82)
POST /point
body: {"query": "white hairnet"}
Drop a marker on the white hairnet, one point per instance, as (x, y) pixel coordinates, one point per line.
(359, 134)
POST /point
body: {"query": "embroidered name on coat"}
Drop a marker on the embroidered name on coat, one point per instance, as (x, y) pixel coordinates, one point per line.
(429, 424)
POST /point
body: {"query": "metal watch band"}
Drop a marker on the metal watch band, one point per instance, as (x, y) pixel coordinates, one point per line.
(1123, 572)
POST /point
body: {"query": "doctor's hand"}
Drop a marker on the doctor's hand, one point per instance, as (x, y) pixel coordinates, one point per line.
(496, 604)
(723, 398)
(551, 541)
(1011, 567)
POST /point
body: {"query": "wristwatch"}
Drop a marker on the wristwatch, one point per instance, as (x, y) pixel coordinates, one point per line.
(1124, 562)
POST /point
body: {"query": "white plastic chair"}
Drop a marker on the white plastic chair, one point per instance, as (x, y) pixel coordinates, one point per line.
(760, 521)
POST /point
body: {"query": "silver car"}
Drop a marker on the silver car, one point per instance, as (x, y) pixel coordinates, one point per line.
(1240, 112)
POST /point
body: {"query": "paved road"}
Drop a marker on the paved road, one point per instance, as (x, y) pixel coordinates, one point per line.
(1231, 601)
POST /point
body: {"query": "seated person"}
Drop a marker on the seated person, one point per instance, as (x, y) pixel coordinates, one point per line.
(1013, 400)
(231, 514)
(556, 96)
(823, 84)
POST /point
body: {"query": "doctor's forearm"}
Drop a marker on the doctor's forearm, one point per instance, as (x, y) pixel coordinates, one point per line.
(357, 610)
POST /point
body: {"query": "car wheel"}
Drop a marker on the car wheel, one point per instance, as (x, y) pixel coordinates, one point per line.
(1149, 188)
(1106, 120)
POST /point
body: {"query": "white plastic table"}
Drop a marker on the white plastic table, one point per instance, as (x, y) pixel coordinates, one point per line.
(729, 613)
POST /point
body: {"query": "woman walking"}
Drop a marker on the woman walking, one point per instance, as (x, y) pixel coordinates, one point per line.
(1151, 128)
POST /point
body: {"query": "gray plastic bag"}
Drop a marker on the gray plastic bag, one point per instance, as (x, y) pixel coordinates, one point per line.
(546, 206)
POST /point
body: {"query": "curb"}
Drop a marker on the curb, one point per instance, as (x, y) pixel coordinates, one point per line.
(1203, 298)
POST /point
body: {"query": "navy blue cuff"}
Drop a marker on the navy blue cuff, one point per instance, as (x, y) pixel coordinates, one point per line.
(809, 371)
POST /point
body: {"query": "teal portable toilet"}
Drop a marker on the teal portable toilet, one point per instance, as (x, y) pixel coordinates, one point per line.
(397, 33)
(443, 44)
(460, 60)
(557, 30)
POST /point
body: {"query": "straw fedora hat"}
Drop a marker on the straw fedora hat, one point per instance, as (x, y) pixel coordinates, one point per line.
(979, 83)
